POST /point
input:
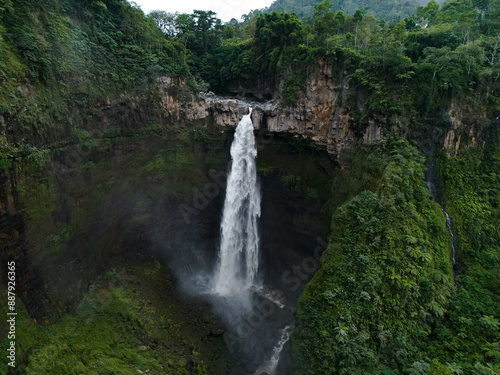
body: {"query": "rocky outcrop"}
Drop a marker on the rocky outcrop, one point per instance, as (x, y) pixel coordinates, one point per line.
(328, 112)
(323, 112)
(467, 129)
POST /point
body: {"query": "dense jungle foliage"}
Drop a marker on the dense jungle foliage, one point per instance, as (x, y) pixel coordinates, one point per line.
(124, 325)
(408, 68)
(385, 300)
(81, 53)
(59, 58)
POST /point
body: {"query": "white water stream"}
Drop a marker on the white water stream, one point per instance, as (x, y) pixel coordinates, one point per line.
(449, 225)
(239, 250)
(236, 275)
(269, 366)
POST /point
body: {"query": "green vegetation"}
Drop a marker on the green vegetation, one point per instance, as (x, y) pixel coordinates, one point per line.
(60, 59)
(385, 278)
(386, 9)
(126, 324)
(299, 164)
(468, 339)
(407, 68)
(71, 184)
(384, 301)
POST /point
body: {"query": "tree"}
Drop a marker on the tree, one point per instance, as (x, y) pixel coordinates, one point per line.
(207, 30)
(470, 56)
(324, 21)
(166, 22)
(185, 25)
(462, 15)
(399, 31)
(365, 32)
(357, 18)
(437, 58)
(273, 33)
(428, 12)
(277, 30)
(492, 49)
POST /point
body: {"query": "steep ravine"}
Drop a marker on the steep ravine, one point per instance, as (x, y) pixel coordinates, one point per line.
(147, 179)
(79, 211)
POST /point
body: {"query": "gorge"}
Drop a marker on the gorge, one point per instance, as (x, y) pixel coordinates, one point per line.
(128, 189)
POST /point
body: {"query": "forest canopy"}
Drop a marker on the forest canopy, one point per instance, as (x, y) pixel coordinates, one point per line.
(438, 52)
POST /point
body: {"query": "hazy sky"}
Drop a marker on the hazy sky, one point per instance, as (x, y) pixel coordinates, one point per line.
(225, 9)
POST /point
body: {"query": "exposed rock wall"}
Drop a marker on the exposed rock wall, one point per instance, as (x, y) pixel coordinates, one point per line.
(322, 112)
(467, 128)
(325, 110)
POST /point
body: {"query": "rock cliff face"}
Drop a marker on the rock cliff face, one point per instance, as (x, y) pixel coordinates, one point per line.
(63, 220)
(324, 113)
(467, 129)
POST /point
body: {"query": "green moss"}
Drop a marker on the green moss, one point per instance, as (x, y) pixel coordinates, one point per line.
(117, 328)
(299, 164)
(292, 87)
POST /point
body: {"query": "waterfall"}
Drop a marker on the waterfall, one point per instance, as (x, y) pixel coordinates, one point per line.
(239, 248)
(269, 366)
(449, 225)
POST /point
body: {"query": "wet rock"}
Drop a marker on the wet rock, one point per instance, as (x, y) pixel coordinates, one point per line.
(206, 318)
(250, 368)
(216, 330)
(372, 133)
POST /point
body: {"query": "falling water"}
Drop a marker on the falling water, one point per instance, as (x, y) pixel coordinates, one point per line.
(270, 366)
(450, 229)
(238, 258)
(449, 225)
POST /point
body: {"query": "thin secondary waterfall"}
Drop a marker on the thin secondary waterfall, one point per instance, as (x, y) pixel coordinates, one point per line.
(449, 224)
(239, 249)
(270, 366)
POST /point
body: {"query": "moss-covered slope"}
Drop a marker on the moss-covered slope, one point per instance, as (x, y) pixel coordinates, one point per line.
(63, 62)
(130, 322)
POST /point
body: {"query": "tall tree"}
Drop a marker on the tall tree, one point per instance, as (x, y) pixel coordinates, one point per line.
(325, 23)
(166, 22)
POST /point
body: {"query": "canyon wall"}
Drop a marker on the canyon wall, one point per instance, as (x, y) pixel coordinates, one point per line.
(173, 113)
(324, 113)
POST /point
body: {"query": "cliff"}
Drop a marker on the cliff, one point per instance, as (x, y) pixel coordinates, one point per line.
(328, 113)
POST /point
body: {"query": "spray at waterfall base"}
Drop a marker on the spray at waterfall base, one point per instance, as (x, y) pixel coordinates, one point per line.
(257, 320)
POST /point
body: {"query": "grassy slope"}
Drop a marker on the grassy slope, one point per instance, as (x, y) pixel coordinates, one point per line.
(130, 321)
